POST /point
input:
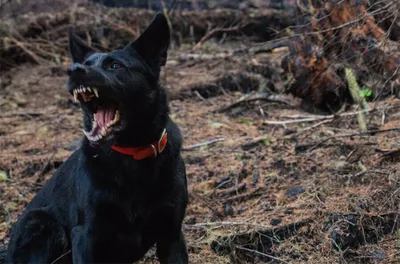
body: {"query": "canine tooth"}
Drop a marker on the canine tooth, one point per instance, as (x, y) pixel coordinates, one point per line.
(90, 90)
(116, 117)
(87, 134)
(96, 92)
(75, 96)
(93, 128)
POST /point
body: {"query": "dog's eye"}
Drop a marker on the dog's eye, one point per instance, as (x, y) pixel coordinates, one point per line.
(115, 66)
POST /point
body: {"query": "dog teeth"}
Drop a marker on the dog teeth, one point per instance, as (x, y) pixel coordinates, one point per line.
(115, 120)
(104, 132)
(96, 92)
(95, 138)
(84, 92)
(94, 125)
(75, 96)
(87, 134)
(116, 117)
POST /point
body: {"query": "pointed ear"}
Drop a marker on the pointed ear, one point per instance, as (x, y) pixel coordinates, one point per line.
(153, 44)
(78, 49)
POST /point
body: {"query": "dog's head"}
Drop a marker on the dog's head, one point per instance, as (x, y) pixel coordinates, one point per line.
(117, 89)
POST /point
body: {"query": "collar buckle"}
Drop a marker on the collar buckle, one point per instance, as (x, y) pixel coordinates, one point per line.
(154, 150)
(161, 145)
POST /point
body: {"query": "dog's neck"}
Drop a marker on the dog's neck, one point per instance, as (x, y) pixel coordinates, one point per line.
(147, 127)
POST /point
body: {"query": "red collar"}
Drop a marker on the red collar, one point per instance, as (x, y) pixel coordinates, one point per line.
(151, 150)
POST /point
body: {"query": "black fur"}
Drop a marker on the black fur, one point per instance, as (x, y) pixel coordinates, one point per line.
(105, 206)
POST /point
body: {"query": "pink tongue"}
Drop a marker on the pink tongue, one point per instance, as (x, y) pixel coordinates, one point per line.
(104, 116)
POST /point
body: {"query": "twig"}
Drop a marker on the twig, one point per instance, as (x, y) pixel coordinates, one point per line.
(172, 6)
(208, 142)
(353, 135)
(226, 223)
(252, 142)
(211, 33)
(244, 196)
(285, 122)
(202, 98)
(232, 190)
(269, 98)
(60, 257)
(315, 125)
(391, 152)
(262, 254)
(34, 57)
(195, 56)
(24, 113)
(312, 118)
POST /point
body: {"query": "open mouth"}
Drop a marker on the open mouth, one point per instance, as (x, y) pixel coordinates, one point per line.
(104, 111)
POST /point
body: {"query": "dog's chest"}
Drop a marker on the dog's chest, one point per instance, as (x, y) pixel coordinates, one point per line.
(126, 224)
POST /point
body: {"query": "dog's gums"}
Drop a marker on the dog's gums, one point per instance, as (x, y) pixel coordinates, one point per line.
(104, 113)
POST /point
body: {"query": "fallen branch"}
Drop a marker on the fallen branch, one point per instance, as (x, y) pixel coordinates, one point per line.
(270, 98)
(244, 196)
(304, 147)
(195, 56)
(262, 254)
(253, 142)
(313, 118)
(211, 33)
(24, 113)
(226, 223)
(202, 98)
(33, 56)
(390, 152)
(314, 126)
(233, 190)
(208, 142)
(365, 133)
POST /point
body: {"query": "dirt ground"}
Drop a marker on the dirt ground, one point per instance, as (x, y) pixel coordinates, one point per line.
(272, 183)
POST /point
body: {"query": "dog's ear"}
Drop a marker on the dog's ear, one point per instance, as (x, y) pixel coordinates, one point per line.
(78, 49)
(153, 44)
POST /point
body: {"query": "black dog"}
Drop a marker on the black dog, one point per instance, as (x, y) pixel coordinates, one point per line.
(125, 189)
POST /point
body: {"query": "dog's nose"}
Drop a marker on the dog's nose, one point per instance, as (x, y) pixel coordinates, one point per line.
(77, 70)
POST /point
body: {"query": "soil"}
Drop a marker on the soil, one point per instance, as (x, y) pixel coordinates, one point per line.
(261, 190)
